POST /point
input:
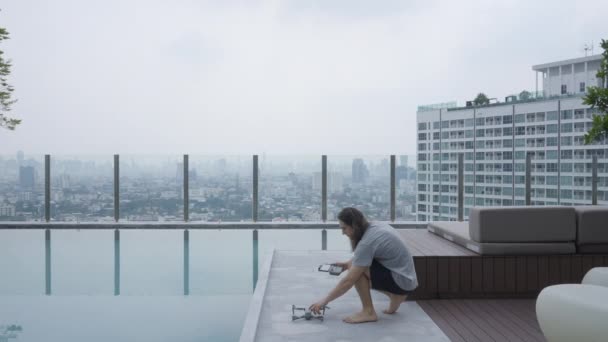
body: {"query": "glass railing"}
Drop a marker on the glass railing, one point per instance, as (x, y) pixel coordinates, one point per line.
(294, 189)
(177, 188)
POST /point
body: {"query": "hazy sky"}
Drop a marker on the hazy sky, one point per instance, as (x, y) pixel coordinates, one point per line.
(244, 77)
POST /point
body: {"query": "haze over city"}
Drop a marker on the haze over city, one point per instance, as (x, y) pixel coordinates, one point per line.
(283, 77)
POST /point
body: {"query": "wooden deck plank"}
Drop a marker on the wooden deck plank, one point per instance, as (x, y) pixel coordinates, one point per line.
(454, 280)
(410, 242)
(446, 310)
(543, 271)
(554, 271)
(510, 275)
(587, 261)
(526, 308)
(499, 274)
(565, 263)
(526, 311)
(421, 272)
(520, 272)
(485, 320)
(476, 275)
(465, 275)
(446, 270)
(472, 317)
(410, 238)
(447, 248)
(598, 261)
(532, 273)
(517, 320)
(488, 274)
(577, 269)
(441, 322)
(495, 320)
(431, 275)
(420, 242)
(443, 276)
(431, 244)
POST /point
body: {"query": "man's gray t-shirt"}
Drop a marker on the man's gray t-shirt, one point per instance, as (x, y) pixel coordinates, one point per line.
(381, 242)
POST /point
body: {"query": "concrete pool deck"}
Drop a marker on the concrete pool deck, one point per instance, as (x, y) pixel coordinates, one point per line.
(291, 277)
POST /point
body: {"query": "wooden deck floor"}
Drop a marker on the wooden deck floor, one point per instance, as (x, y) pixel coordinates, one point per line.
(448, 271)
(482, 320)
(422, 243)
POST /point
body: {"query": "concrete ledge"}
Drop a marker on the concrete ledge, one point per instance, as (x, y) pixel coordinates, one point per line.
(250, 327)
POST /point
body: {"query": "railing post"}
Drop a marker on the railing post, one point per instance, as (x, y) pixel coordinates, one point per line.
(460, 186)
(594, 181)
(393, 186)
(324, 188)
(186, 190)
(47, 187)
(116, 262)
(528, 178)
(324, 239)
(255, 258)
(47, 260)
(254, 203)
(116, 187)
(186, 262)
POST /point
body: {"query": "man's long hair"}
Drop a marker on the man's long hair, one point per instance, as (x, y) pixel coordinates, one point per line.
(354, 218)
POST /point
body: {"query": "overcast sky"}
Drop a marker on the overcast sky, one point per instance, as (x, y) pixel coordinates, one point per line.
(284, 77)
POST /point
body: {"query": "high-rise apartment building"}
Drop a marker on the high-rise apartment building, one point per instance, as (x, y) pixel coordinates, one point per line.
(495, 139)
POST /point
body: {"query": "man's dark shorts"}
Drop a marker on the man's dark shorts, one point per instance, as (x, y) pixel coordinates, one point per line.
(382, 279)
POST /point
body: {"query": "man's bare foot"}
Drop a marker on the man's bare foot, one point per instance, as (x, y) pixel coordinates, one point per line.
(361, 317)
(396, 300)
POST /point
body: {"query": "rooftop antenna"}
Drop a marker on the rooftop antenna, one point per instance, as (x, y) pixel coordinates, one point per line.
(588, 48)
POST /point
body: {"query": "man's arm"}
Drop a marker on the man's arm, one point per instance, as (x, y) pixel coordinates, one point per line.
(354, 273)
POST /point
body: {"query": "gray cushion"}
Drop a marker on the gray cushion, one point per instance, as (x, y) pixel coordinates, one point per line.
(457, 232)
(592, 224)
(601, 248)
(522, 224)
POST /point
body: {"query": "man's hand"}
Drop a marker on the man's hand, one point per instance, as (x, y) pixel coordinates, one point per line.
(345, 265)
(317, 307)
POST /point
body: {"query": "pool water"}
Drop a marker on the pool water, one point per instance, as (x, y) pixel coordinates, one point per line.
(151, 304)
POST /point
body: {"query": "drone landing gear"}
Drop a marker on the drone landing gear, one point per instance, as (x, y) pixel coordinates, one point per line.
(307, 315)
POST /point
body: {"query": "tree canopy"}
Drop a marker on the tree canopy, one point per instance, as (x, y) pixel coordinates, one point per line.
(481, 100)
(597, 97)
(6, 90)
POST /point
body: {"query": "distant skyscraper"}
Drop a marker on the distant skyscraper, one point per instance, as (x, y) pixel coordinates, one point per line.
(403, 160)
(192, 175)
(20, 158)
(335, 182)
(179, 172)
(27, 177)
(360, 172)
(400, 173)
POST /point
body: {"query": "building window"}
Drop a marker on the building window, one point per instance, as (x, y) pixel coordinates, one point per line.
(564, 89)
(551, 116)
(582, 87)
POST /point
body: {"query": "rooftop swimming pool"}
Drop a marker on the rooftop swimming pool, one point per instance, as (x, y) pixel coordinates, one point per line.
(163, 293)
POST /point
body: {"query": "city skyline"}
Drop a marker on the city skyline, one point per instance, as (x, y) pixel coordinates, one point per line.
(220, 189)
